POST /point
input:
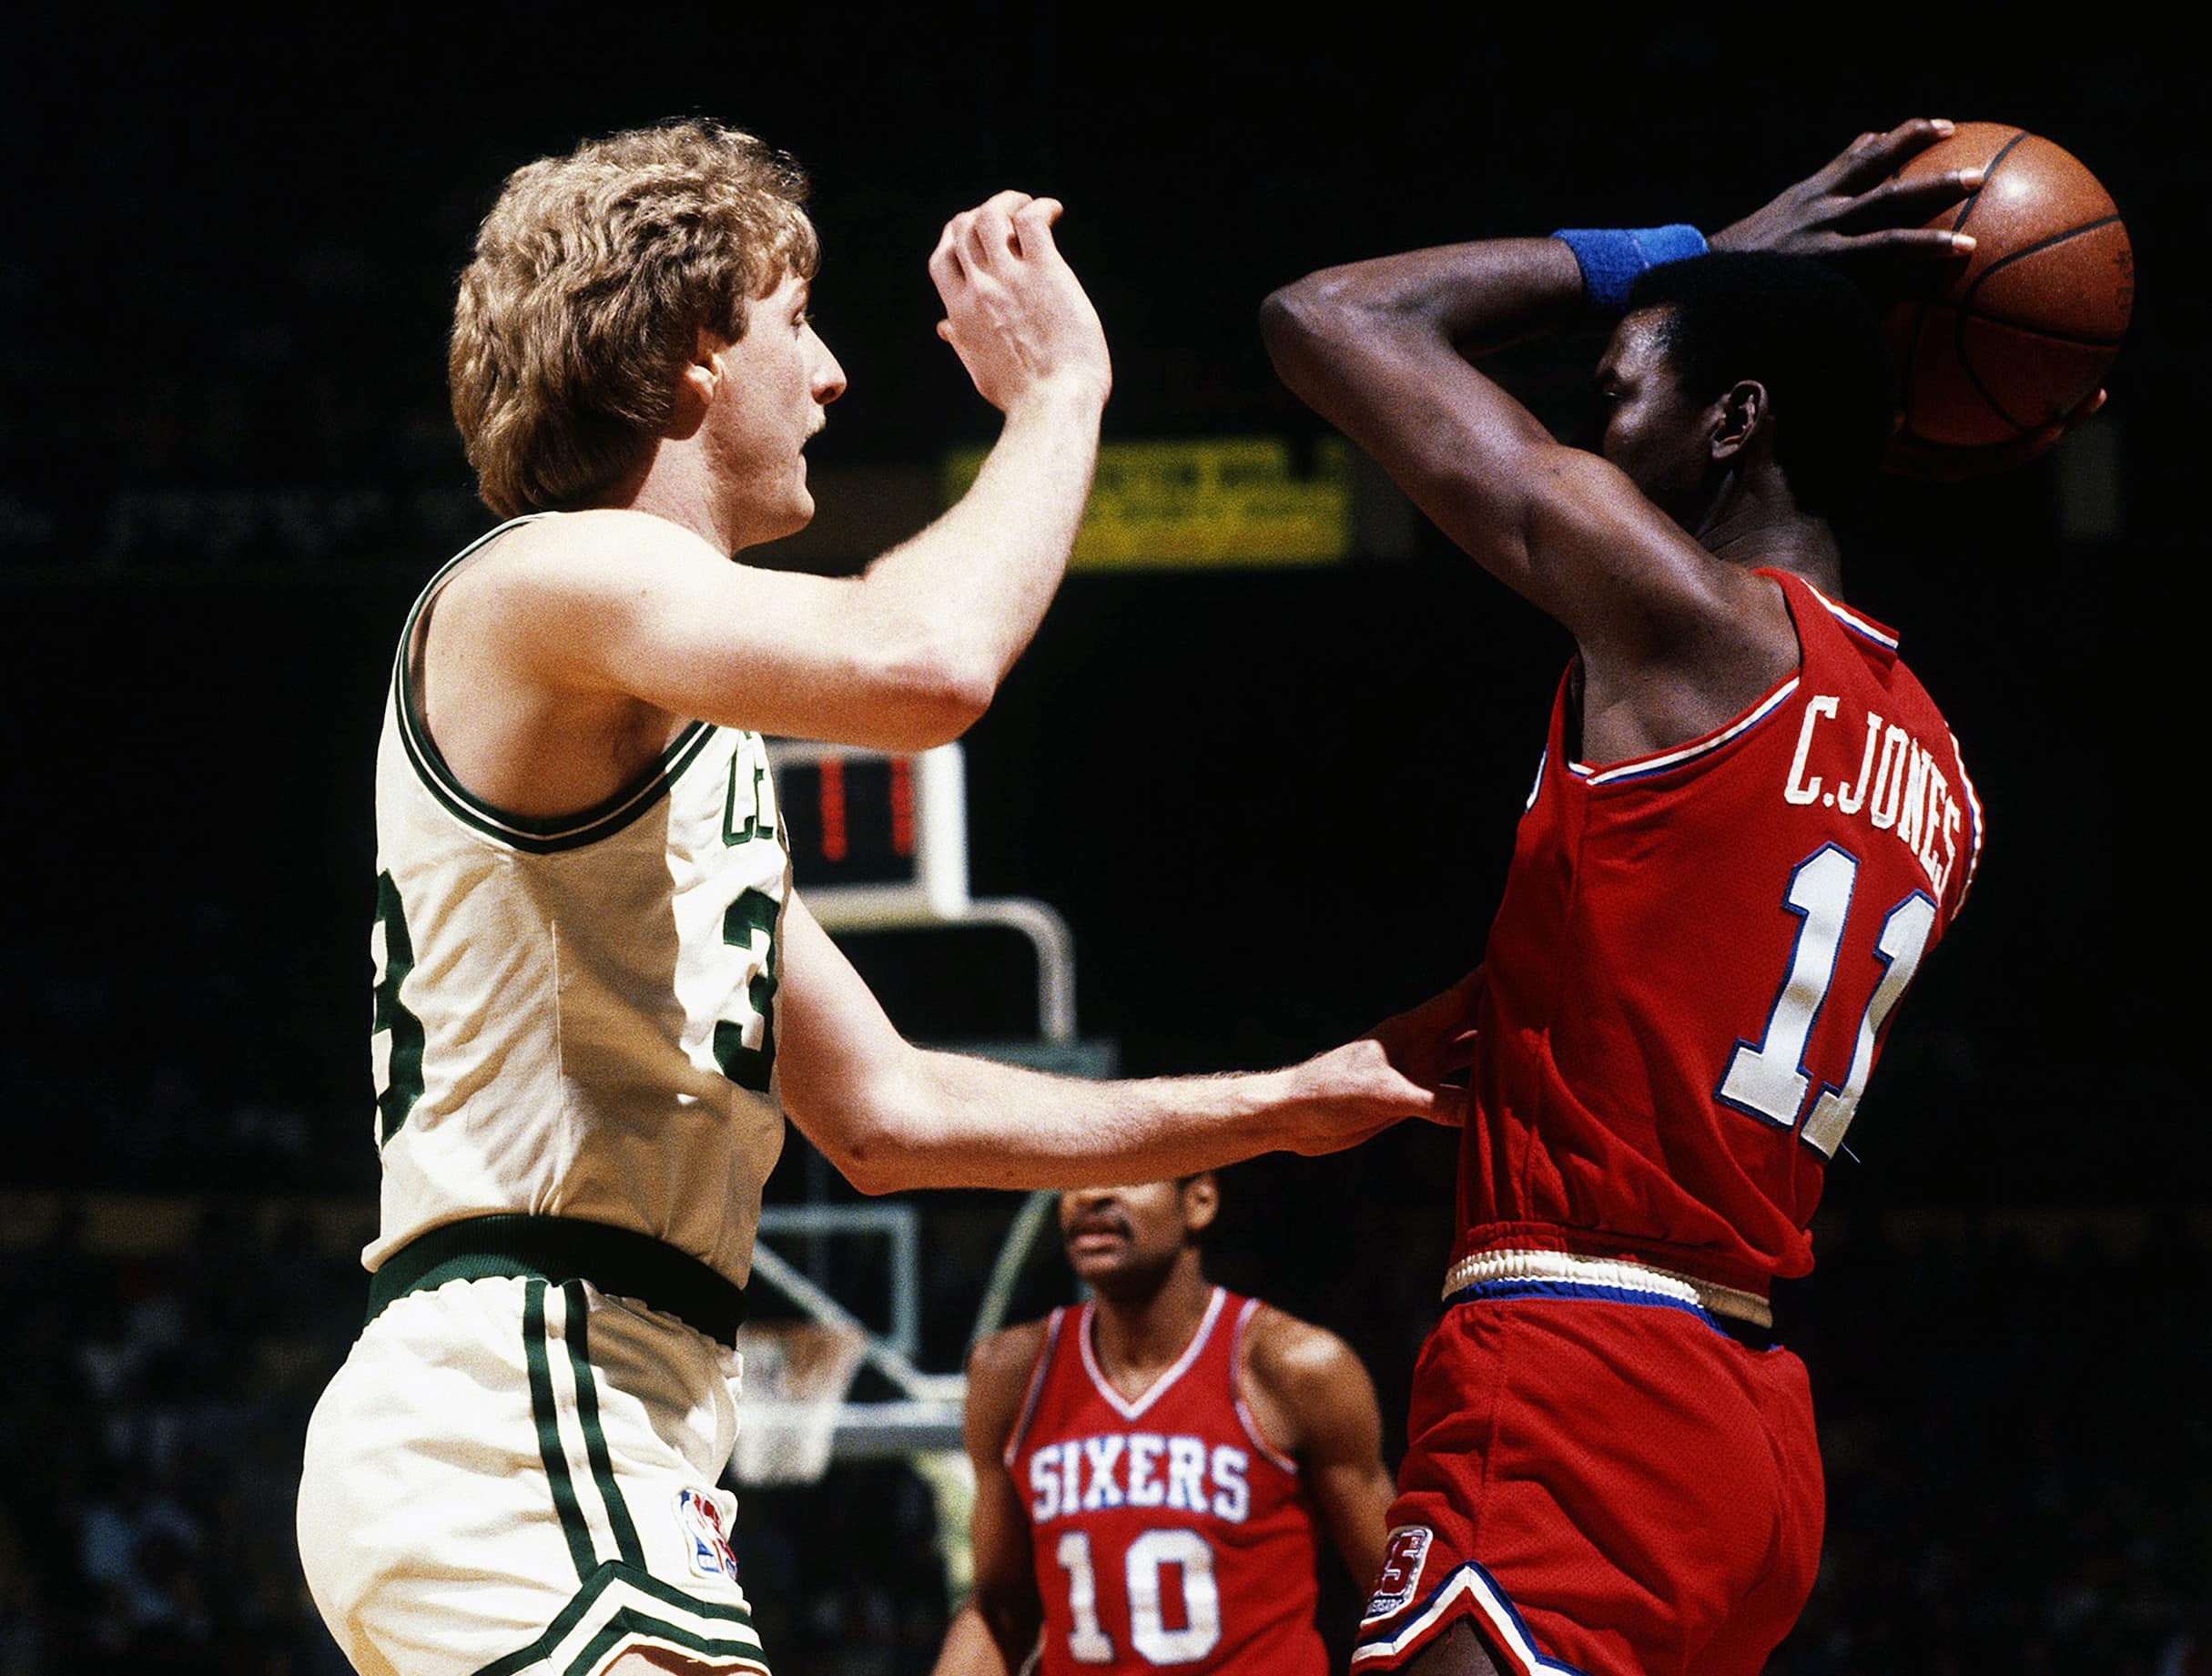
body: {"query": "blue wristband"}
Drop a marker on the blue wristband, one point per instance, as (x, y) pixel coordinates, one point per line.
(1610, 258)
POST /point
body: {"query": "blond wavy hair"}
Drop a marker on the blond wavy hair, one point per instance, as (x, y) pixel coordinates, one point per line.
(593, 276)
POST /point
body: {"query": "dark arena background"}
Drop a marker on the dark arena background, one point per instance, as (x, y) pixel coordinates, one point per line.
(1273, 801)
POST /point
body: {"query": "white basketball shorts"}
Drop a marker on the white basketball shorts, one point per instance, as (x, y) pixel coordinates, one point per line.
(511, 1475)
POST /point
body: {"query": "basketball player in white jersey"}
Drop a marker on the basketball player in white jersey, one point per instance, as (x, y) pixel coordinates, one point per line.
(596, 998)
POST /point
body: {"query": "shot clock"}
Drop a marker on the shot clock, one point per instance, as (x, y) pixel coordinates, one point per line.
(878, 838)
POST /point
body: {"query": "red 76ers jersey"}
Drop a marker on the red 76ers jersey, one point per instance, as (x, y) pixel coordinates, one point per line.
(1166, 1533)
(1698, 956)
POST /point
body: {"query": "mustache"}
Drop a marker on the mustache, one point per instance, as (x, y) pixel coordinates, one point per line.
(1097, 1222)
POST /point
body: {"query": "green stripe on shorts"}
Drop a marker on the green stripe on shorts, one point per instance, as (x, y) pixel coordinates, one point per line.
(548, 1417)
(628, 1547)
(636, 1618)
(629, 1621)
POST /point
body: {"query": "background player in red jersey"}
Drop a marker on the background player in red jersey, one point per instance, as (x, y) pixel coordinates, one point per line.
(1153, 1466)
(1749, 826)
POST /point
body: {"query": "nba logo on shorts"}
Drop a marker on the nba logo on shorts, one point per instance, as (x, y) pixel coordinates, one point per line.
(700, 1521)
(1401, 1575)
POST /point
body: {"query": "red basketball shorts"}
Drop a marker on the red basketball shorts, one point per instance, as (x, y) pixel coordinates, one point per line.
(1601, 1483)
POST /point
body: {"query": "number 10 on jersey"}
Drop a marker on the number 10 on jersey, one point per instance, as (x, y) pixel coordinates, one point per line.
(1145, 1569)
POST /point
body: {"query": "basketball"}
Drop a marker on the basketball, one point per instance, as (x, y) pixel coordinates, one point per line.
(2022, 332)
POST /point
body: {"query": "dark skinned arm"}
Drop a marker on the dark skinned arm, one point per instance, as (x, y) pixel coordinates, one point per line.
(969, 1649)
(1380, 349)
(1311, 1397)
(997, 1629)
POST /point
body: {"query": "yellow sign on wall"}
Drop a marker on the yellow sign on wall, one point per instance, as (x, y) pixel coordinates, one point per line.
(1225, 501)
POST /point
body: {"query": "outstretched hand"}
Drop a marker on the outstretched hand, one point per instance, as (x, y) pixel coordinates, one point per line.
(1412, 1064)
(1853, 208)
(1434, 1045)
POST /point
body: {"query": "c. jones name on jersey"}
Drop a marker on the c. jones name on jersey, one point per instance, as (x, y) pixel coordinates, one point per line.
(1898, 787)
(1138, 1469)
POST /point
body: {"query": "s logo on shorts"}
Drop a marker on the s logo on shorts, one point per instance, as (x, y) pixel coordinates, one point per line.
(700, 1521)
(1401, 1575)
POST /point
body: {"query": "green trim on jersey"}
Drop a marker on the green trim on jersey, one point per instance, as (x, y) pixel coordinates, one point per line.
(538, 835)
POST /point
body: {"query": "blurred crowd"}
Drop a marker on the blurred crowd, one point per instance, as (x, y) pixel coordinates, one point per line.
(2017, 1446)
(149, 1435)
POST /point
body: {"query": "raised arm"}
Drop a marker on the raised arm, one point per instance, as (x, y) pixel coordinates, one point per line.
(1381, 350)
(1374, 348)
(892, 1116)
(609, 621)
(911, 651)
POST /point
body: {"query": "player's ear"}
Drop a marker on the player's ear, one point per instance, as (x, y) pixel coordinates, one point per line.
(698, 381)
(1201, 1202)
(1740, 414)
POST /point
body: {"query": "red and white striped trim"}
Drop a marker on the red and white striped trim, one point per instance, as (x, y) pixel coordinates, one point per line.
(1159, 1388)
(1974, 814)
(1851, 619)
(1236, 1393)
(1634, 767)
(1614, 1274)
(1468, 1592)
(1037, 1379)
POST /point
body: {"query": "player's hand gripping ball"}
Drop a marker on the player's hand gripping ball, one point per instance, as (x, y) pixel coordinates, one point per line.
(1998, 354)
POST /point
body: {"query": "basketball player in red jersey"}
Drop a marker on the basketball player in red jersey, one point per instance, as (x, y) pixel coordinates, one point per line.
(1748, 826)
(1153, 1466)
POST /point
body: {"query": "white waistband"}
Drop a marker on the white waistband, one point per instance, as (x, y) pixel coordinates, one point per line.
(1485, 1266)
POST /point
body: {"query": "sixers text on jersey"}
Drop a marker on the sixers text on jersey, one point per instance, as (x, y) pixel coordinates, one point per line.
(1138, 1469)
(1154, 1468)
(1192, 1545)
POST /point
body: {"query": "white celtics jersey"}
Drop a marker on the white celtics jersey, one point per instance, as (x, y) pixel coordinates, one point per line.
(575, 1017)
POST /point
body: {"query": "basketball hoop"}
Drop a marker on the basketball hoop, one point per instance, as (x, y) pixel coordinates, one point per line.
(795, 1378)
